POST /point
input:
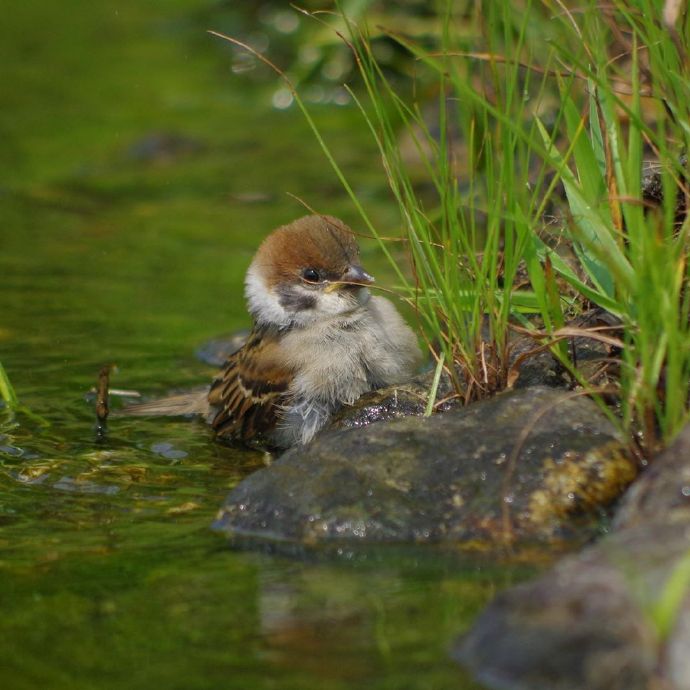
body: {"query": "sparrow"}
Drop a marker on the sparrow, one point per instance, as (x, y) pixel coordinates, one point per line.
(319, 340)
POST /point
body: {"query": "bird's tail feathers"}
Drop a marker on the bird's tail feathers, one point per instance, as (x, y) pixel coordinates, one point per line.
(191, 403)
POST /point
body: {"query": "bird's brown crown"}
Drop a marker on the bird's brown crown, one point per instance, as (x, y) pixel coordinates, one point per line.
(321, 242)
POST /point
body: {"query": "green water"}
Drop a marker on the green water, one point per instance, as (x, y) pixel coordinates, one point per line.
(138, 172)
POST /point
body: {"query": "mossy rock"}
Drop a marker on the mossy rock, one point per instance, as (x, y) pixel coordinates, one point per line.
(534, 464)
(614, 617)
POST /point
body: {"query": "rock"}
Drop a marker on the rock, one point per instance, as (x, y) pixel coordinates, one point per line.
(615, 616)
(677, 657)
(662, 493)
(653, 188)
(392, 402)
(524, 465)
(578, 628)
(163, 147)
(215, 352)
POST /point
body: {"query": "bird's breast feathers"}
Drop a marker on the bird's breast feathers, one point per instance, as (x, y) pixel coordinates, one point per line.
(284, 384)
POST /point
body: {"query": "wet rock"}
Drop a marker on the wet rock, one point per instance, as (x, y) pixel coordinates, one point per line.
(677, 658)
(615, 616)
(531, 464)
(402, 400)
(569, 634)
(653, 188)
(662, 493)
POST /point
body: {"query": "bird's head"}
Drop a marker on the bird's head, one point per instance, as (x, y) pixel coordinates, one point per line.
(305, 272)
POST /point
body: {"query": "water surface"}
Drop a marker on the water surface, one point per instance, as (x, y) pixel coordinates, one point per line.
(140, 168)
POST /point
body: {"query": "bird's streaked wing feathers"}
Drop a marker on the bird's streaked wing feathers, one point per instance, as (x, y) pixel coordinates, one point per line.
(251, 388)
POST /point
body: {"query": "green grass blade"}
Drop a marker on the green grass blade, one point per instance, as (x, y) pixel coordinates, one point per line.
(7, 393)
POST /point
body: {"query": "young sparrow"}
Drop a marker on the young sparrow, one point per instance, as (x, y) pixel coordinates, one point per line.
(319, 340)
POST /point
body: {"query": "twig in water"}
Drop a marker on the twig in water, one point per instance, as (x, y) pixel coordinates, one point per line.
(102, 409)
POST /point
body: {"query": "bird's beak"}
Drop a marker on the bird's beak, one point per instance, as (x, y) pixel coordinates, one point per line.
(354, 275)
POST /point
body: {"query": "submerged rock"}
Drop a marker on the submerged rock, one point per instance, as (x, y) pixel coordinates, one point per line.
(164, 147)
(616, 615)
(216, 352)
(531, 464)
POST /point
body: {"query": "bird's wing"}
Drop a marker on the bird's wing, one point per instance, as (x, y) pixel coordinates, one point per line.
(252, 387)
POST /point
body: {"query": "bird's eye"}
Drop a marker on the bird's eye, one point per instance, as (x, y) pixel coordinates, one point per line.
(311, 275)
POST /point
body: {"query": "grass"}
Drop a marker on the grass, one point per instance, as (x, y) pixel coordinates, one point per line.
(7, 394)
(523, 205)
(516, 114)
(635, 257)
(667, 605)
(534, 98)
(531, 99)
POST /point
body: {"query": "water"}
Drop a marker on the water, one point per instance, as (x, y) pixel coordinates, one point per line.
(140, 168)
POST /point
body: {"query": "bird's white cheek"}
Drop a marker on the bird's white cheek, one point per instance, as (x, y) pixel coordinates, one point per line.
(296, 304)
(263, 305)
